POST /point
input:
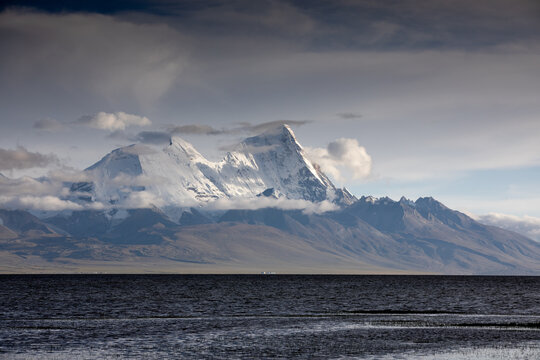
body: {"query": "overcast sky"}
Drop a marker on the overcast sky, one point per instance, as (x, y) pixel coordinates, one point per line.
(444, 96)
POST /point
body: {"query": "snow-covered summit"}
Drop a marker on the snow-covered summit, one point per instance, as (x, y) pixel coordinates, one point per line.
(180, 176)
(283, 164)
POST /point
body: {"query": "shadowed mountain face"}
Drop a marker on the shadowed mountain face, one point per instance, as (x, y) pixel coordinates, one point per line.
(371, 235)
(21, 222)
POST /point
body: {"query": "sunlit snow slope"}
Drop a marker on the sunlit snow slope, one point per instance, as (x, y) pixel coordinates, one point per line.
(270, 164)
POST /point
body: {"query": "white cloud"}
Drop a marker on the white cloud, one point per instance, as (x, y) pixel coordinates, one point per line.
(53, 192)
(27, 186)
(265, 202)
(49, 193)
(56, 183)
(68, 175)
(525, 225)
(141, 199)
(342, 159)
(113, 121)
(47, 203)
(123, 179)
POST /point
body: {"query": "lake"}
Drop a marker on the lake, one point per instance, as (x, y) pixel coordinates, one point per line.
(269, 316)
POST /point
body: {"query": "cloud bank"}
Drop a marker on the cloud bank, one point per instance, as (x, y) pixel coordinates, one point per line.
(44, 203)
(54, 193)
(525, 225)
(265, 202)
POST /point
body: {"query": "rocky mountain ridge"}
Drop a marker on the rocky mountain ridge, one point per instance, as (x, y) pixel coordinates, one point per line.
(371, 235)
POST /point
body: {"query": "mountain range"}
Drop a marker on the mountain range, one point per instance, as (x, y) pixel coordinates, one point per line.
(264, 207)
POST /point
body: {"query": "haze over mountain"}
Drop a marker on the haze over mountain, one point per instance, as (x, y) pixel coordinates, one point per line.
(264, 207)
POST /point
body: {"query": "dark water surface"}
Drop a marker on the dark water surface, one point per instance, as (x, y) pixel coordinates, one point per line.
(268, 316)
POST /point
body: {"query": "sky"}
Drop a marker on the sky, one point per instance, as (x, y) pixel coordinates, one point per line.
(443, 97)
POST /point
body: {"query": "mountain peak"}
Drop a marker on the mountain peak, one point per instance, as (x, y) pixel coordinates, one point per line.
(281, 135)
(429, 202)
(122, 160)
(405, 201)
(282, 129)
(179, 145)
(181, 176)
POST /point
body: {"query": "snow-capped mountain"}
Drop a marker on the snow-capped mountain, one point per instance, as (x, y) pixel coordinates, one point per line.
(155, 220)
(270, 164)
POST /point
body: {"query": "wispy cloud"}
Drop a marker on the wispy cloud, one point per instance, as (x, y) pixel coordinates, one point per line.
(113, 121)
(195, 129)
(142, 199)
(48, 124)
(349, 115)
(258, 128)
(163, 137)
(244, 127)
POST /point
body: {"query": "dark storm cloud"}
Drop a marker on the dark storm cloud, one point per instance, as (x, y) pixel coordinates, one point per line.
(20, 158)
(327, 24)
(101, 59)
